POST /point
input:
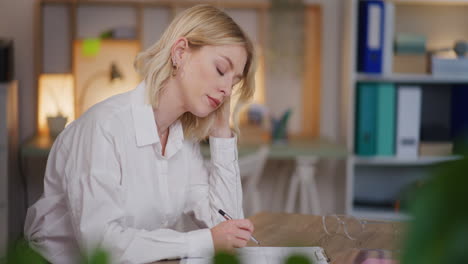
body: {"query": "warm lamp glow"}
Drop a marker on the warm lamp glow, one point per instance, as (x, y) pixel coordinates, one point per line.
(56, 97)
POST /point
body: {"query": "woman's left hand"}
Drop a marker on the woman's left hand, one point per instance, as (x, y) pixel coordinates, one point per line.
(221, 128)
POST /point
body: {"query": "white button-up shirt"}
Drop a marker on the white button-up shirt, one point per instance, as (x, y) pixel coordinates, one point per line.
(108, 185)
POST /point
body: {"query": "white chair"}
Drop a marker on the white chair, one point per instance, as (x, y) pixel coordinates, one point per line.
(303, 184)
(251, 168)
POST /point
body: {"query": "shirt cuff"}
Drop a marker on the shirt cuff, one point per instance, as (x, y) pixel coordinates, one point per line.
(200, 243)
(223, 150)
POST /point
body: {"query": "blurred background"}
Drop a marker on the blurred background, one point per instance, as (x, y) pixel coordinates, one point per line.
(356, 101)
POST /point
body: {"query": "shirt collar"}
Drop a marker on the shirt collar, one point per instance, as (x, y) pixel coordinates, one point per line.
(145, 126)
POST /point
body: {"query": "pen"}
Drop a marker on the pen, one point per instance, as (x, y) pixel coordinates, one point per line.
(227, 217)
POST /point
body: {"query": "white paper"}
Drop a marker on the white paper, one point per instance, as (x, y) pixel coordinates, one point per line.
(269, 255)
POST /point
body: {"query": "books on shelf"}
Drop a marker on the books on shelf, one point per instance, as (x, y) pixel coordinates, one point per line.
(436, 113)
(406, 43)
(411, 121)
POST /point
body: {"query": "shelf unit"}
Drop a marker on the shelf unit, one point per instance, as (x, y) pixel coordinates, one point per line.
(382, 174)
(379, 214)
(411, 78)
(60, 24)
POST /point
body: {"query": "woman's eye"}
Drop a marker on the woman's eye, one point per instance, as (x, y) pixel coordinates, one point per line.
(220, 72)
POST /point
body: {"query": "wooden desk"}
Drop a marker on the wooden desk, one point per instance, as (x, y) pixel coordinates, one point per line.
(281, 229)
(296, 230)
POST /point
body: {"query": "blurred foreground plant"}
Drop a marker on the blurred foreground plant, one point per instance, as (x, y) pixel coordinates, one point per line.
(438, 232)
(21, 253)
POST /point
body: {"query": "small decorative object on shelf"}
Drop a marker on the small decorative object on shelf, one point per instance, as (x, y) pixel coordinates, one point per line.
(279, 128)
(443, 64)
(56, 124)
(123, 32)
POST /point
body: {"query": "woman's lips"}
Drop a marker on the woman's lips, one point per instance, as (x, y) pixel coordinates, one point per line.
(213, 101)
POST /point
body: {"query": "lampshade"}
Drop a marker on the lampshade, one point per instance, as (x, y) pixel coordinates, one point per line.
(56, 97)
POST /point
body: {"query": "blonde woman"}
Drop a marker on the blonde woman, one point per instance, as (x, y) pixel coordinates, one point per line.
(128, 176)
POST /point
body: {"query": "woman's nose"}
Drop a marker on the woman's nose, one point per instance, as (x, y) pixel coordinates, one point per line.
(226, 88)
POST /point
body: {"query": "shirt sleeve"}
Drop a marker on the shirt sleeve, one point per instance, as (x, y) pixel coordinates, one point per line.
(216, 184)
(96, 199)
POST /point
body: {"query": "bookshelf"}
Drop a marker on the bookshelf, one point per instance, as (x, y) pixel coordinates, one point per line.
(379, 179)
(61, 26)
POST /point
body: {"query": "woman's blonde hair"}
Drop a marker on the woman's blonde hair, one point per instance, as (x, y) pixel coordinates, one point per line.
(202, 25)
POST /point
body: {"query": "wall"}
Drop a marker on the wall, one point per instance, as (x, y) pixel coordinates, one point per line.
(331, 176)
(16, 22)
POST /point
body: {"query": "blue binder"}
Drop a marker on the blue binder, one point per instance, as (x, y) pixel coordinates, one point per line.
(371, 35)
(460, 118)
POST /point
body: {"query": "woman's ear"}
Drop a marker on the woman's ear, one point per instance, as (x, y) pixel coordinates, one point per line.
(179, 51)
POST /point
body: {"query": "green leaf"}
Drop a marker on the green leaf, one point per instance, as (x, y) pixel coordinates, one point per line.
(21, 253)
(91, 47)
(298, 259)
(225, 258)
(99, 256)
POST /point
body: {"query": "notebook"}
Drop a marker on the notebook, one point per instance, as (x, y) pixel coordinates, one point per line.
(269, 255)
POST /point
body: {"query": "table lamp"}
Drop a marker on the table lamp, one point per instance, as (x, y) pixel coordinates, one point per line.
(113, 74)
(55, 106)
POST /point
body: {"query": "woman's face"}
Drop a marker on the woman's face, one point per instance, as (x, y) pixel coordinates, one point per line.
(208, 75)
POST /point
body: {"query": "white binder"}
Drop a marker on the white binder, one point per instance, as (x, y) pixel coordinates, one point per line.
(408, 121)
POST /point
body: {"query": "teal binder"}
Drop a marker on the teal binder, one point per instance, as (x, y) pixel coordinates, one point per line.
(386, 112)
(366, 119)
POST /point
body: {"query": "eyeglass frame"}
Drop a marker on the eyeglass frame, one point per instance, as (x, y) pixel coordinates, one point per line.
(341, 222)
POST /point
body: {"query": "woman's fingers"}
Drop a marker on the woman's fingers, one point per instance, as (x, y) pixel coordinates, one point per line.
(245, 224)
(243, 234)
(232, 234)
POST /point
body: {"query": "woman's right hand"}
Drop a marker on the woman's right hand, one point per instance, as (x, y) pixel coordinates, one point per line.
(232, 234)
